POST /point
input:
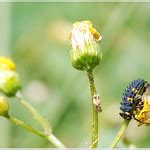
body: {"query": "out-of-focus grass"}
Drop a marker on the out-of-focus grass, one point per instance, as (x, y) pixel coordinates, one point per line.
(40, 47)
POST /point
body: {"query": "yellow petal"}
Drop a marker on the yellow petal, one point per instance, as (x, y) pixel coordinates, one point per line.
(7, 63)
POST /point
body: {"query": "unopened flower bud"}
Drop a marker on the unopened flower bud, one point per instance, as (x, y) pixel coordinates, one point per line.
(6, 63)
(85, 52)
(4, 107)
(9, 82)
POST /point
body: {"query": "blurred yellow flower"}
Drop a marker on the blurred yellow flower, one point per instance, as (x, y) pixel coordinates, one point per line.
(7, 63)
(4, 106)
(9, 79)
(9, 82)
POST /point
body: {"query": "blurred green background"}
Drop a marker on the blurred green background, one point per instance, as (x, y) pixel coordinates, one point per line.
(35, 36)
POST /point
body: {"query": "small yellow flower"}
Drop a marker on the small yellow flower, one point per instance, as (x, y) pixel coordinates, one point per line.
(85, 52)
(4, 107)
(144, 115)
(6, 63)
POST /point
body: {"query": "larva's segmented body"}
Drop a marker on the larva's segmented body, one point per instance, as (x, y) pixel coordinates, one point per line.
(130, 98)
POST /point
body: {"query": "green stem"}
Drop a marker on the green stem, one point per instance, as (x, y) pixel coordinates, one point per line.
(25, 126)
(49, 137)
(120, 133)
(55, 141)
(46, 126)
(95, 113)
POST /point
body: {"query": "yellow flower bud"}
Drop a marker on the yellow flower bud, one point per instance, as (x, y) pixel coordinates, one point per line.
(85, 52)
(9, 82)
(6, 63)
(4, 107)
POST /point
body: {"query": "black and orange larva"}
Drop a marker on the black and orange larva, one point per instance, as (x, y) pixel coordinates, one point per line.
(132, 98)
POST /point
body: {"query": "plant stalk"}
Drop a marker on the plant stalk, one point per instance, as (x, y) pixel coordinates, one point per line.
(55, 141)
(120, 133)
(24, 125)
(49, 137)
(94, 111)
(46, 126)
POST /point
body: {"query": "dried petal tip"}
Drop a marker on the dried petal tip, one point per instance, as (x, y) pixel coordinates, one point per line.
(85, 52)
(4, 107)
(6, 63)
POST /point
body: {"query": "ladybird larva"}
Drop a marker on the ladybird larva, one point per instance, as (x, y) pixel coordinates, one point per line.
(129, 98)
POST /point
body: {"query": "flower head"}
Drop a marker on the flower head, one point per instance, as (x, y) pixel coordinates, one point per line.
(143, 115)
(85, 52)
(9, 79)
(4, 107)
(6, 63)
(9, 82)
